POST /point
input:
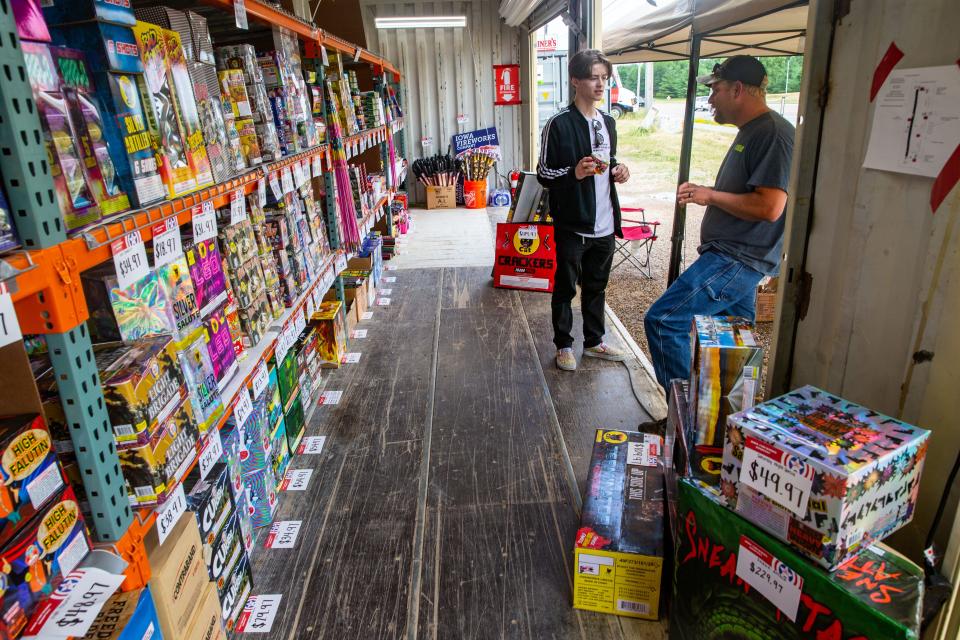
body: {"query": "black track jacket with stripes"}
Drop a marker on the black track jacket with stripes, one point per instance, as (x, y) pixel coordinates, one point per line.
(564, 141)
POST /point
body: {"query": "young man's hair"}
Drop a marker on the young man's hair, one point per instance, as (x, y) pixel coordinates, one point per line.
(581, 64)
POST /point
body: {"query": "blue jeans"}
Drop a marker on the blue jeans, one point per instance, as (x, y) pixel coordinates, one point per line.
(714, 285)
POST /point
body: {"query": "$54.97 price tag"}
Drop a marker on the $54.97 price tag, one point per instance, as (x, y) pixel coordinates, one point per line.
(130, 258)
(778, 583)
(782, 477)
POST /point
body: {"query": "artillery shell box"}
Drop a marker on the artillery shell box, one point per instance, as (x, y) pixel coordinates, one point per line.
(211, 500)
(619, 549)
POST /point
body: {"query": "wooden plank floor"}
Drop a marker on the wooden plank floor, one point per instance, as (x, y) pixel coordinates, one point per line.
(445, 504)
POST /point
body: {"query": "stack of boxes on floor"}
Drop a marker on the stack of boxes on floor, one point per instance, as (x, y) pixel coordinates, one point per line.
(361, 279)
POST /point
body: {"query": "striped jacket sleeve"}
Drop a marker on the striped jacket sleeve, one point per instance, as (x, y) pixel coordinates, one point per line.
(551, 172)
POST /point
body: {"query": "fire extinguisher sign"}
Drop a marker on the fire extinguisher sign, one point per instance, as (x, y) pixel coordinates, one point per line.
(507, 80)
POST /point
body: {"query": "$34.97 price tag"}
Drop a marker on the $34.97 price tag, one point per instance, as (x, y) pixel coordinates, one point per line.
(243, 407)
(782, 477)
(260, 379)
(204, 222)
(167, 245)
(778, 583)
(238, 207)
(130, 258)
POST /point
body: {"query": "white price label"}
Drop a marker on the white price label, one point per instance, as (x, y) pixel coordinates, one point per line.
(211, 453)
(311, 306)
(777, 582)
(366, 315)
(238, 207)
(323, 56)
(317, 297)
(283, 534)
(9, 325)
(167, 245)
(311, 445)
(282, 346)
(261, 378)
(358, 333)
(240, 14)
(204, 222)
(352, 358)
(297, 174)
(390, 279)
(259, 613)
(356, 55)
(383, 302)
(386, 292)
(296, 480)
(286, 179)
(304, 172)
(317, 166)
(390, 267)
(129, 258)
(243, 407)
(169, 514)
(462, 118)
(784, 478)
(331, 397)
(275, 186)
(262, 191)
(71, 610)
(340, 264)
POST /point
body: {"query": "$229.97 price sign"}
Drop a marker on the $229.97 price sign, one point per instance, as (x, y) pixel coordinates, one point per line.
(782, 477)
(776, 581)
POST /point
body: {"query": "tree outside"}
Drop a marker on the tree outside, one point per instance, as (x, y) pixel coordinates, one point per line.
(670, 78)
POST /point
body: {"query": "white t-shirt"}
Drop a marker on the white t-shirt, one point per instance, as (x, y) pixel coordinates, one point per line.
(598, 134)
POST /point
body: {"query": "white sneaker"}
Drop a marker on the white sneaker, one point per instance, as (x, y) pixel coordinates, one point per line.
(605, 352)
(566, 360)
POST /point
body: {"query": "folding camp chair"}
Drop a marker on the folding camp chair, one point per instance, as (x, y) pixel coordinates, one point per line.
(636, 232)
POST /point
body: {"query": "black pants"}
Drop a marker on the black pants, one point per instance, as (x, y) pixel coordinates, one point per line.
(589, 260)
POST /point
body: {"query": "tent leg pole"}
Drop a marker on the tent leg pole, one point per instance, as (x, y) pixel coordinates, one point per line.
(686, 146)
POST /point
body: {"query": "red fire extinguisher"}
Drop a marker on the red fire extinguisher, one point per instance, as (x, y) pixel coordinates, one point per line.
(514, 180)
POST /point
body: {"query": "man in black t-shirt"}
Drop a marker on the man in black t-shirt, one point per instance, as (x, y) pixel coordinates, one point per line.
(742, 232)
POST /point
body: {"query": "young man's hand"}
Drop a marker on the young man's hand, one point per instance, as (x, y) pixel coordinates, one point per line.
(689, 193)
(621, 174)
(586, 167)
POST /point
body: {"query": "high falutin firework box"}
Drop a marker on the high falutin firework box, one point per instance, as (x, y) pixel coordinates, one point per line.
(733, 580)
(526, 256)
(822, 473)
(619, 550)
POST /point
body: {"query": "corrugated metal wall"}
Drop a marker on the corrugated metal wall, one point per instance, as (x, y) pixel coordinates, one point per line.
(449, 72)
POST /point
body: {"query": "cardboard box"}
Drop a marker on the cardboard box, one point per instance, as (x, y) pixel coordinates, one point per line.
(207, 621)
(441, 197)
(179, 578)
(29, 469)
(618, 555)
(874, 595)
(127, 615)
(724, 377)
(821, 473)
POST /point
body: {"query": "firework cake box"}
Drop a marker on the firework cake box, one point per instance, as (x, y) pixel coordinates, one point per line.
(618, 554)
(226, 551)
(211, 501)
(197, 368)
(206, 273)
(732, 579)
(65, 11)
(331, 333)
(234, 598)
(34, 562)
(821, 473)
(220, 346)
(725, 376)
(29, 469)
(140, 310)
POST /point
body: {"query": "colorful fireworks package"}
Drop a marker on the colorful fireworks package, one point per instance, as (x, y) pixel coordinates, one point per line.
(227, 550)
(34, 562)
(175, 281)
(821, 473)
(233, 87)
(279, 451)
(206, 89)
(211, 501)
(139, 311)
(725, 376)
(260, 488)
(206, 272)
(238, 589)
(200, 380)
(733, 580)
(61, 11)
(331, 333)
(618, 554)
(220, 345)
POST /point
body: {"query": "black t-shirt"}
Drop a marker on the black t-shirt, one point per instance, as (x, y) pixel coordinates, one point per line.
(759, 157)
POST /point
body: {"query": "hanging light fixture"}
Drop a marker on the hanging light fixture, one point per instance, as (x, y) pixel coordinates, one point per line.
(422, 22)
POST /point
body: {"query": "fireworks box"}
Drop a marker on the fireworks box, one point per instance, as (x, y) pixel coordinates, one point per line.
(260, 488)
(206, 272)
(127, 615)
(618, 555)
(142, 385)
(201, 382)
(220, 346)
(174, 278)
(243, 519)
(676, 453)
(34, 562)
(158, 94)
(287, 376)
(202, 43)
(294, 419)
(170, 19)
(821, 473)
(279, 450)
(233, 87)
(206, 89)
(239, 587)
(731, 575)
(211, 501)
(141, 310)
(242, 57)
(152, 471)
(441, 197)
(251, 440)
(724, 378)
(255, 320)
(178, 577)
(29, 469)
(207, 620)
(526, 256)
(331, 333)
(66, 11)
(226, 551)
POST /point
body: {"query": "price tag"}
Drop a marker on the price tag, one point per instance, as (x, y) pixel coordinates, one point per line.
(340, 264)
(783, 478)
(331, 397)
(296, 480)
(352, 358)
(130, 258)
(356, 56)
(9, 325)
(358, 333)
(238, 207)
(386, 292)
(240, 14)
(73, 607)
(243, 407)
(259, 613)
(282, 347)
(311, 306)
(167, 245)
(304, 172)
(317, 297)
(261, 378)
(462, 118)
(262, 191)
(311, 445)
(211, 453)
(383, 302)
(778, 583)
(390, 267)
(169, 514)
(317, 166)
(204, 222)
(323, 56)
(283, 534)
(275, 186)
(390, 279)
(366, 315)
(287, 180)
(297, 174)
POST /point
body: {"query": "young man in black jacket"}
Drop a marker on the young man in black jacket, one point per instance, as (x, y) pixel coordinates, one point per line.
(578, 165)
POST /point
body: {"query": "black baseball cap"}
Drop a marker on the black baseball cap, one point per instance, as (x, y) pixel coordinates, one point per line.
(745, 69)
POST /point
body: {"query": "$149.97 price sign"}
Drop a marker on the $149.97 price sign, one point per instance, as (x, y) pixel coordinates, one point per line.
(778, 583)
(782, 477)
(130, 258)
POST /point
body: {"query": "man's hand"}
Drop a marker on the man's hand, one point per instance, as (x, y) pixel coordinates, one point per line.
(689, 193)
(621, 174)
(586, 167)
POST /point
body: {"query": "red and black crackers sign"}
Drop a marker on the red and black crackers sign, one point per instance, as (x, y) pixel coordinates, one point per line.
(526, 257)
(507, 83)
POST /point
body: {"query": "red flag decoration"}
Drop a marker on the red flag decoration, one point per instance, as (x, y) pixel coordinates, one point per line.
(506, 78)
(887, 63)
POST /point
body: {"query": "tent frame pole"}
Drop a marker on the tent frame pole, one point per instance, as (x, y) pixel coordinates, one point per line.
(683, 175)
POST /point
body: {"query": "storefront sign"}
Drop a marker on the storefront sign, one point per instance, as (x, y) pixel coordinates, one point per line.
(507, 84)
(481, 139)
